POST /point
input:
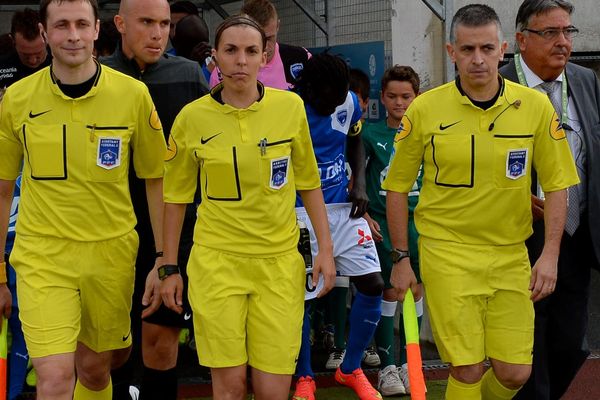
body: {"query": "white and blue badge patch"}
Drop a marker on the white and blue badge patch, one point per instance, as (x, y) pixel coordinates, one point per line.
(516, 163)
(279, 172)
(295, 70)
(109, 152)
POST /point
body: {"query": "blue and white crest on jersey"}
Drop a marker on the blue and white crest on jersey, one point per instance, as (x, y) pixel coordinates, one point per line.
(342, 116)
(109, 152)
(279, 172)
(516, 163)
(295, 69)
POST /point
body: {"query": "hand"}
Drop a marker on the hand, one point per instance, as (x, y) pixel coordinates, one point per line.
(537, 208)
(324, 264)
(403, 278)
(5, 301)
(201, 52)
(375, 228)
(360, 201)
(171, 290)
(543, 277)
(151, 298)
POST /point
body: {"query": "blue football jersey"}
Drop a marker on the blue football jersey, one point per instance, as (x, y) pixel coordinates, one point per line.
(12, 222)
(328, 134)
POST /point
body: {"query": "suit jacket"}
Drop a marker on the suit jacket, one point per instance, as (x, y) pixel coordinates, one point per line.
(584, 91)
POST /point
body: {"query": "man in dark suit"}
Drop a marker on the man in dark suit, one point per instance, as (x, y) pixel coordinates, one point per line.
(544, 39)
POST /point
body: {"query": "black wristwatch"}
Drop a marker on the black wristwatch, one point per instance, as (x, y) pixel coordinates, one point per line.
(167, 270)
(397, 255)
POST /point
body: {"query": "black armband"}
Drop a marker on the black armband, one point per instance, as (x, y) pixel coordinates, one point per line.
(167, 270)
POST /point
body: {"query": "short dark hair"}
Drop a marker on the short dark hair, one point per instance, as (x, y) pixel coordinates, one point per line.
(45, 3)
(402, 73)
(26, 23)
(108, 38)
(236, 20)
(474, 15)
(184, 7)
(530, 8)
(359, 83)
(262, 11)
(324, 77)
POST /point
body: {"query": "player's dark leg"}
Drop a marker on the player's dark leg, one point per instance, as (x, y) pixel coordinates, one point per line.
(159, 351)
(364, 316)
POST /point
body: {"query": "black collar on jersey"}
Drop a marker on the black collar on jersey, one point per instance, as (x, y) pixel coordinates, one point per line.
(482, 104)
(80, 89)
(216, 94)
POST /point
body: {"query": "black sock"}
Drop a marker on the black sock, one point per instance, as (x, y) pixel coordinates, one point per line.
(121, 379)
(159, 385)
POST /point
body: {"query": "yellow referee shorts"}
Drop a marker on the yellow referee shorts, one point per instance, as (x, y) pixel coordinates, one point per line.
(247, 309)
(478, 301)
(72, 291)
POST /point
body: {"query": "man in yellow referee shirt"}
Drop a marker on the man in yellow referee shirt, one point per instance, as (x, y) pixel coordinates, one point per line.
(474, 212)
(75, 127)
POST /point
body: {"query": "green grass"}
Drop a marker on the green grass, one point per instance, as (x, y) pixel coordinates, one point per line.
(435, 391)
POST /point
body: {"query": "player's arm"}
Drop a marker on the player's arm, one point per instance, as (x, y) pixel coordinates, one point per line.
(315, 207)
(171, 287)
(7, 188)
(543, 274)
(402, 278)
(356, 158)
(154, 195)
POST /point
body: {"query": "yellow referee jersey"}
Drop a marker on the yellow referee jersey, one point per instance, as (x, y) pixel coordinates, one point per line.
(477, 163)
(251, 163)
(76, 153)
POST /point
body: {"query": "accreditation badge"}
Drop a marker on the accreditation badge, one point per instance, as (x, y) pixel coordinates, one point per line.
(279, 172)
(109, 152)
(516, 163)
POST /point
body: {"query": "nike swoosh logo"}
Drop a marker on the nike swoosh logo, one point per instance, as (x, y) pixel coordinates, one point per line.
(32, 115)
(127, 336)
(204, 141)
(187, 316)
(444, 127)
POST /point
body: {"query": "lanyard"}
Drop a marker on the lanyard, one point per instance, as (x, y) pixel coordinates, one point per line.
(523, 81)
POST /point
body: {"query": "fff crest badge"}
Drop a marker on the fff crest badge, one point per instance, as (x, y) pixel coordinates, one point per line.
(279, 172)
(516, 163)
(109, 152)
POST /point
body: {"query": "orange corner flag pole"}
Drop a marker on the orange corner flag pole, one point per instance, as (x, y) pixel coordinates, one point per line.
(413, 350)
(3, 357)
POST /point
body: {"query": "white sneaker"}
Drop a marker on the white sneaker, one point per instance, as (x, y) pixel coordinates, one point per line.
(134, 392)
(390, 383)
(403, 373)
(335, 358)
(371, 358)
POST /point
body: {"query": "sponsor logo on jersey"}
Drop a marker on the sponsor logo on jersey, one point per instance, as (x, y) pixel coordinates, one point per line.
(516, 163)
(171, 149)
(332, 172)
(109, 152)
(295, 69)
(155, 120)
(279, 172)
(342, 116)
(404, 129)
(556, 130)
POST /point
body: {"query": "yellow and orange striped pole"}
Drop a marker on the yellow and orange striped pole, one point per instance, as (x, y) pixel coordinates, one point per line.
(3, 357)
(413, 349)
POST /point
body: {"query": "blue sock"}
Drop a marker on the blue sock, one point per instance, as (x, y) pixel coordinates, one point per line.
(303, 367)
(364, 316)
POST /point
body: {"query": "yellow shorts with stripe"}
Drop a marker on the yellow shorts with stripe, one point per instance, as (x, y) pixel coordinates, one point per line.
(478, 300)
(72, 291)
(247, 309)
